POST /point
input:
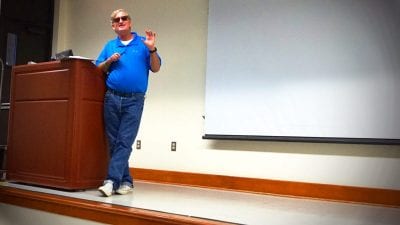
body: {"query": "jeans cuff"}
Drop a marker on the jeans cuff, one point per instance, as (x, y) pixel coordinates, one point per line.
(127, 183)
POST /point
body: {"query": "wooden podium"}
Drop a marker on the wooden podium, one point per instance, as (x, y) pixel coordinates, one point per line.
(56, 133)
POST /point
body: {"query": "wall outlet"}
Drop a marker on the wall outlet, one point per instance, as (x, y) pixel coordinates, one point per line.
(138, 144)
(173, 146)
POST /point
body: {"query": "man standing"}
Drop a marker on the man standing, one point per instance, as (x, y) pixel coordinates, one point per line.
(127, 60)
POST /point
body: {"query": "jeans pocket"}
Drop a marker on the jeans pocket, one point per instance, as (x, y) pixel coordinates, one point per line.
(107, 97)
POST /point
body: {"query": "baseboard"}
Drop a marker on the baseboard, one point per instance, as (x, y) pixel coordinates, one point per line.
(385, 197)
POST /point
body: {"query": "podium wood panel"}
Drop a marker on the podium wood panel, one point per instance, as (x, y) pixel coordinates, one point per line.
(56, 132)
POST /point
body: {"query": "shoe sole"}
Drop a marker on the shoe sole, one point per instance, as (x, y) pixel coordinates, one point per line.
(124, 193)
(105, 194)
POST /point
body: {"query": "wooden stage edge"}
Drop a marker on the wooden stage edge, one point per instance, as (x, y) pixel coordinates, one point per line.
(114, 214)
(95, 211)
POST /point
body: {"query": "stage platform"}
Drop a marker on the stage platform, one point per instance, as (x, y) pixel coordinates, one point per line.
(173, 204)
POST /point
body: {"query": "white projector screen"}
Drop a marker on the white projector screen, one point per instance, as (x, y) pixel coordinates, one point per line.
(303, 70)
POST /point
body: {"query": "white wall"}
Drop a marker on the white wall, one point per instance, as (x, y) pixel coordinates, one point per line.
(175, 104)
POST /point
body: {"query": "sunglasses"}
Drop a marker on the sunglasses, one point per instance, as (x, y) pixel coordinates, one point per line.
(117, 19)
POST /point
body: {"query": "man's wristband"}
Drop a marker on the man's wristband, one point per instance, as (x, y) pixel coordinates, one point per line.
(152, 51)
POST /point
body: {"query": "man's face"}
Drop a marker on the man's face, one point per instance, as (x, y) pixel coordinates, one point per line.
(121, 23)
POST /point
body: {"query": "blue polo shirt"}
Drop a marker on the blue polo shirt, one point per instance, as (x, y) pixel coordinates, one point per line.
(130, 73)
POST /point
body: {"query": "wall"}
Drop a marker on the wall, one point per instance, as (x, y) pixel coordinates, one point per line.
(175, 104)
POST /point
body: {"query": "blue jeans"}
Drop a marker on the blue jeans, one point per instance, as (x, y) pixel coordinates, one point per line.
(122, 117)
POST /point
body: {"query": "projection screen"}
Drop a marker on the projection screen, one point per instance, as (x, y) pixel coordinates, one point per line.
(303, 70)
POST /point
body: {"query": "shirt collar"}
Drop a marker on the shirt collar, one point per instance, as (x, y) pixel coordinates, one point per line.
(135, 39)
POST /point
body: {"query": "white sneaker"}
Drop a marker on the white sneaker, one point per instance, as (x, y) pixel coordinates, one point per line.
(124, 189)
(106, 189)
